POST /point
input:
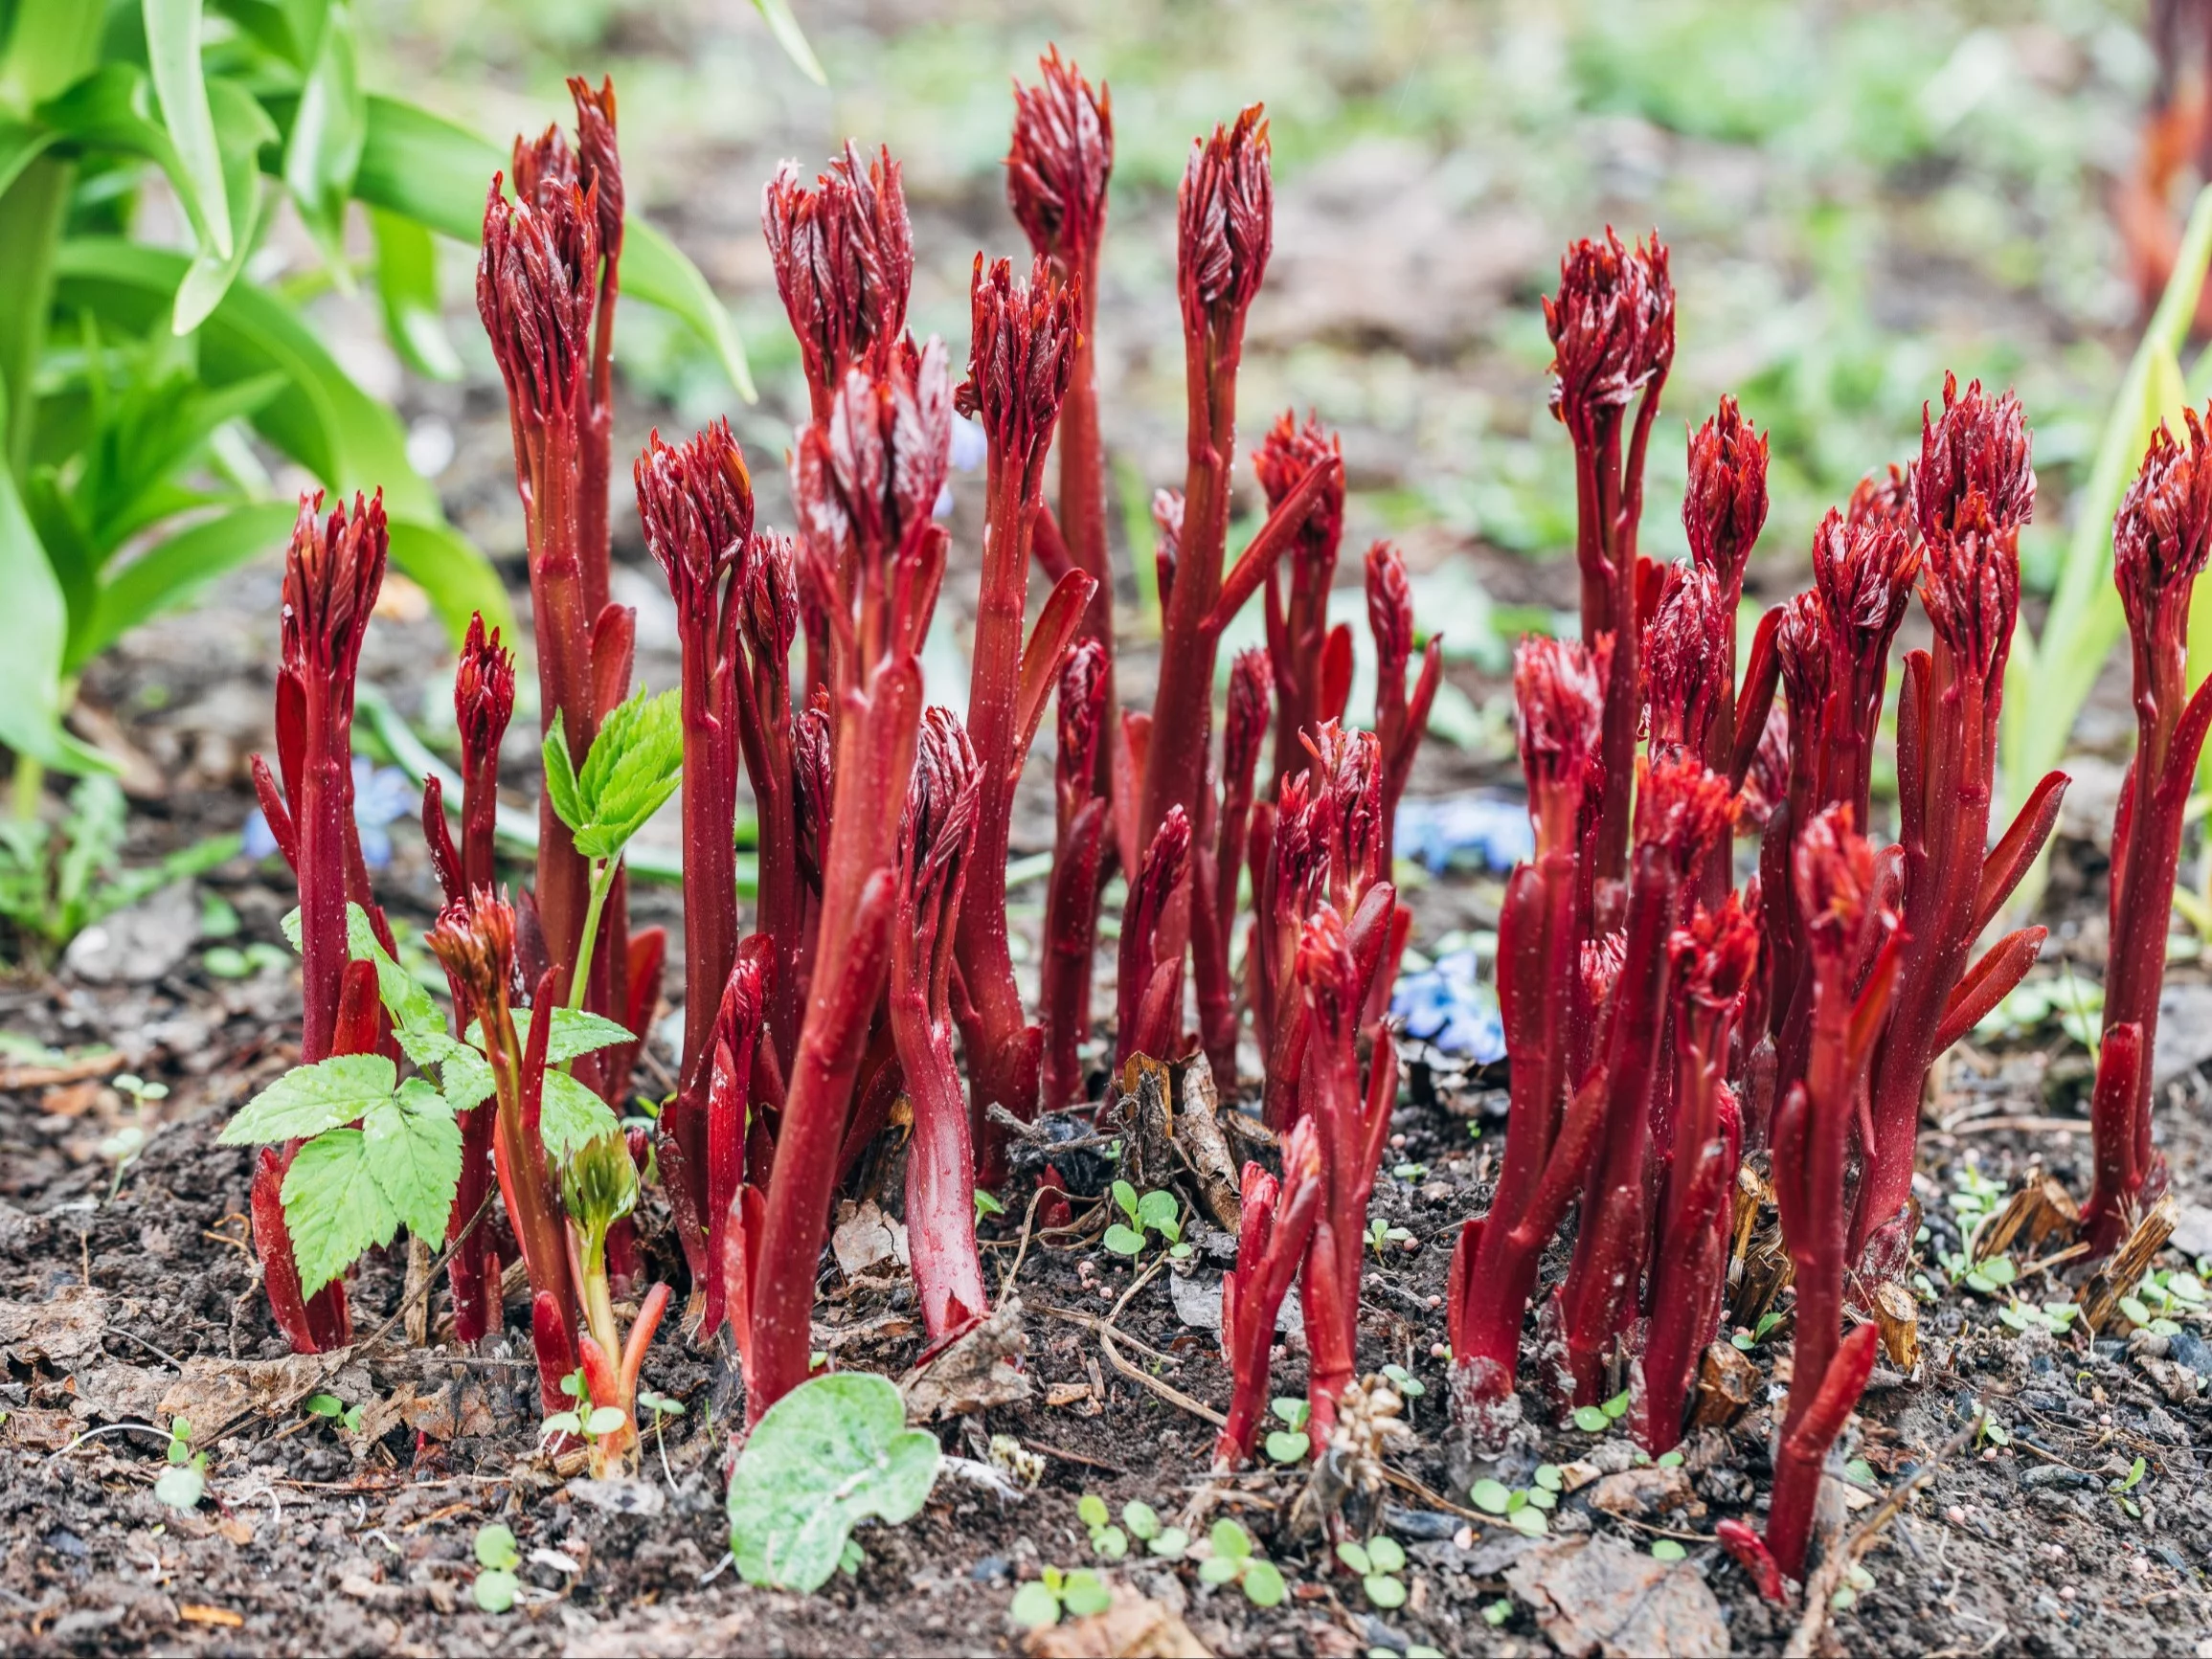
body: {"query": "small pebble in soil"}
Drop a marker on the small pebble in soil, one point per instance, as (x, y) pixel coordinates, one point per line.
(1439, 1351)
(989, 1569)
(1955, 1516)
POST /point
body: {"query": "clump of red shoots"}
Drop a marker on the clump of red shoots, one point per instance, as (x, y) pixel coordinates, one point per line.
(1278, 1223)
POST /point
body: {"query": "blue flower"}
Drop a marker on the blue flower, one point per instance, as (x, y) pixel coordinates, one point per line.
(1466, 831)
(1447, 1006)
(382, 796)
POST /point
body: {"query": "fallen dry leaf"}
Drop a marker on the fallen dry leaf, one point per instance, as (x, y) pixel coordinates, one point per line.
(865, 1238)
(239, 1531)
(193, 1613)
(1595, 1595)
(1133, 1626)
(979, 1370)
(62, 1330)
(1066, 1394)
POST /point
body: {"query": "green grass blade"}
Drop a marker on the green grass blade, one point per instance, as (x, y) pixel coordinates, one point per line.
(172, 45)
(784, 26)
(407, 285)
(31, 664)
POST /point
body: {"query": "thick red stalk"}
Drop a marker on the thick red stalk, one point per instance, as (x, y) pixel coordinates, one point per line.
(738, 1022)
(1148, 982)
(935, 839)
(1559, 701)
(1801, 1454)
(1242, 729)
(1278, 1223)
(1612, 333)
(2160, 542)
(1973, 488)
(866, 482)
(1057, 168)
(474, 941)
(1401, 718)
(1713, 962)
(334, 568)
(1723, 509)
(1071, 895)
(785, 910)
(1023, 344)
(1349, 1129)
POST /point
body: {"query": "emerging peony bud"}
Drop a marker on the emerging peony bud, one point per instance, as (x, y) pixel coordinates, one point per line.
(1833, 870)
(939, 824)
(1283, 459)
(771, 597)
(872, 472)
(1082, 715)
(1725, 505)
(535, 283)
(1801, 649)
(1884, 497)
(2163, 533)
(697, 503)
(333, 571)
(1688, 638)
(1024, 346)
(1975, 476)
(1057, 168)
(483, 695)
(1390, 609)
(1863, 574)
(1249, 678)
(1611, 327)
(1715, 954)
(843, 257)
(1601, 961)
(1348, 766)
(813, 784)
(474, 940)
(1225, 225)
(1326, 969)
(1558, 712)
(599, 163)
(1682, 807)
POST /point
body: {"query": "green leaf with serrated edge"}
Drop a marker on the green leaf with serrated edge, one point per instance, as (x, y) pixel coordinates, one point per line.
(173, 50)
(575, 1031)
(560, 774)
(409, 1003)
(414, 1151)
(334, 1207)
(309, 1099)
(570, 1114)
(464, 1080)
(407, 285)
(832, 1452)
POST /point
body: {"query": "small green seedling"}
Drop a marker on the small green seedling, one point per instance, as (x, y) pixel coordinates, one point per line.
(1856, 1581)
(988, 1205)
(496, 1556)
(1379, 1563)
(1407, 1385)
(337, 1410)
(2120, 1489)
(1746, 1340)
(1496, 1613)
(1233, 1559)
(2055, 1317)
(1156, 1212)
(1521, 1510)
(1667, 1550)
(1041, 1602)
(1987, 1278)
(1381, 1238)
(585, 1422)
(185, 1482)
(1156, 1536)
(1107, 1539)
(1409, 1172)
(1291, 1443)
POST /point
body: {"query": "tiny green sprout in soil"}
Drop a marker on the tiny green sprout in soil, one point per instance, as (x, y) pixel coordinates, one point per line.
(497, 1556)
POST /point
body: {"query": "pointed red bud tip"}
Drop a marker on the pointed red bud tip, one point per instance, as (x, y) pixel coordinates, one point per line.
(1769, 780)
(1714, 956)
(1059, 161)
(333, 571)
(598, 162)
(1833, 870)
(534, 289)
(1225, 228)
(1681, 807)
(483, 693)
(745, 993)
(1611, 327)
(1349, 767)
(1325, 964)
(874, 471)
(1600, 964)
(1863, 572)
(1023, 350)
(1082, 712)
(1802, 652)
(813, 783)
(1725, 505)
(771, 597)
(1884, 497)
(697, 501)
(1301, 843)
(544, 167)
(1688, 637)
(1389, 607)
(1284, 458)
(1251, 678)
(844, 257)
(1558, 708)
(940, 800)
(1165, 861)
(474, 939)
(2163, 532)
(1974, 475)
(1970, 588)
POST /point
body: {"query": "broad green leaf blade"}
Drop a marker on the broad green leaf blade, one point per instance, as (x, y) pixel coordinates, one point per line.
(21, 143)
(832, 1452)
(172, 45)
(560, 776)
(309, 1099)
(411, 1007)
(170, 575)
(407, 285)
(656, 271)
(427, 168)
(334, 1207)
(575, 1031)
(30, 657)
(777, 14)
(464, 1078)
(570, 1115)
(325, 148)
(414, 1151)
(242, 128)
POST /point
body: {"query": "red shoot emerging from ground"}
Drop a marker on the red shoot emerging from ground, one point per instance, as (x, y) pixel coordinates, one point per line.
(333, 571)
(1311, 662)
(2160, 542)
(1080, 833)
(1278, 1223)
